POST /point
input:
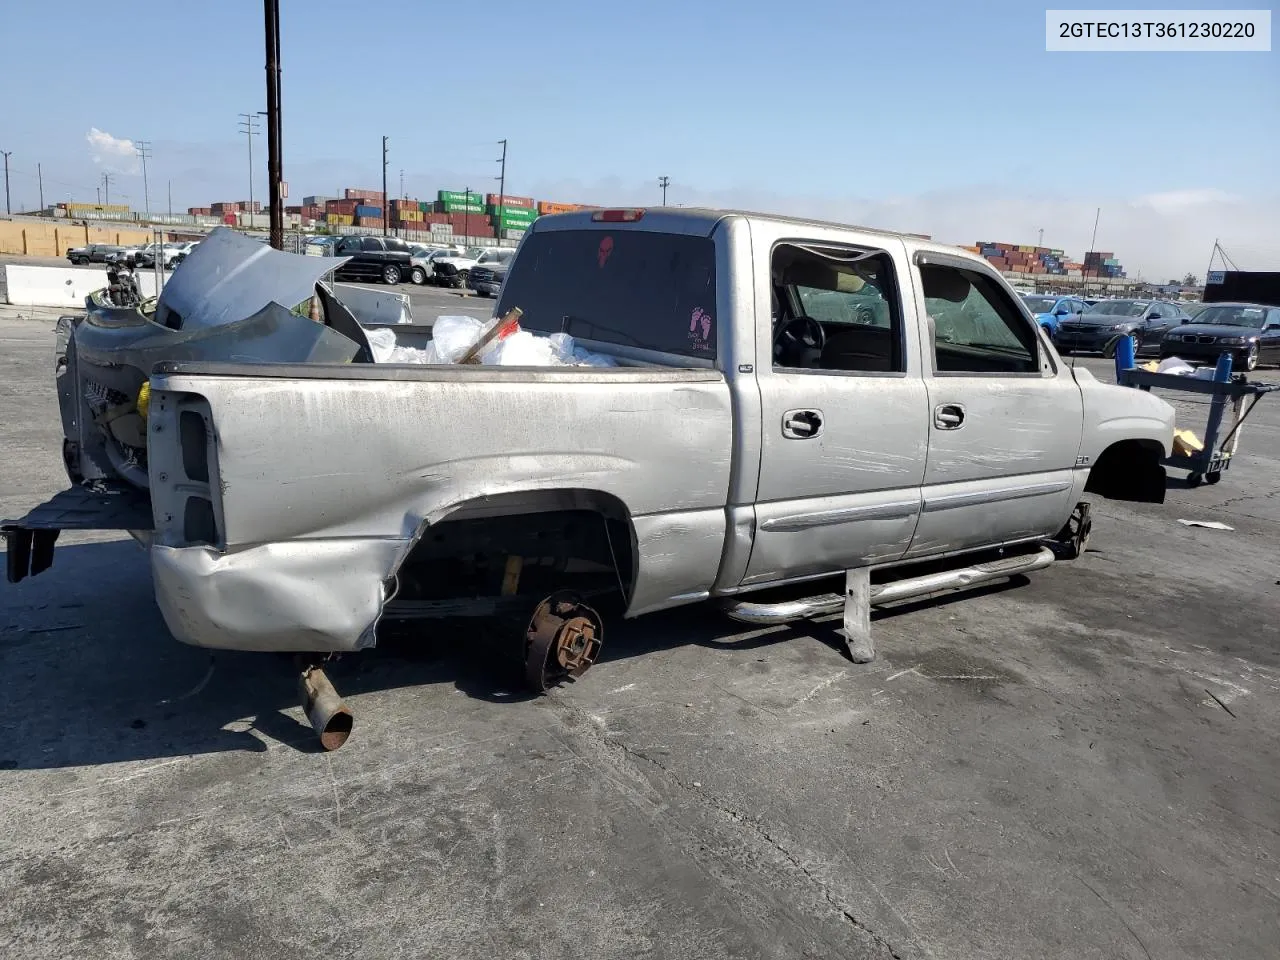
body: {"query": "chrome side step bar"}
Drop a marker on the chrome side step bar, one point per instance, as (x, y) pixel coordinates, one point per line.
(828, 604)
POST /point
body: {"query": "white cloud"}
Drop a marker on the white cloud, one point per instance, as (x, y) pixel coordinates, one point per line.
(112, 152)
(1160, 235)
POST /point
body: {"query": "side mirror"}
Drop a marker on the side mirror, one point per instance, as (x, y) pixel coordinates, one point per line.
(1062, 311)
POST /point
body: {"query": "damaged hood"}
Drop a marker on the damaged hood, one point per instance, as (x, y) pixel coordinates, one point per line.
(229, 277)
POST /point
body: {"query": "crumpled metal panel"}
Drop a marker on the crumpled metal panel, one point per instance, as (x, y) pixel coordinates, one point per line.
(228, 277)
(270, 334)
(305, 596)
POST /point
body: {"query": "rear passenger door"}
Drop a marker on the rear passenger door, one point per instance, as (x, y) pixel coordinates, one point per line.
(844, 428)
(1004, 420)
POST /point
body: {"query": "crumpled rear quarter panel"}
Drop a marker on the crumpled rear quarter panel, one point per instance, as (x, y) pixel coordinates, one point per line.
(325, 482)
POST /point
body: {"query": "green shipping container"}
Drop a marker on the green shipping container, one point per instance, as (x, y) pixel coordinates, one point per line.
(514, 213)
(451, 206)
(506, 223)
(453, 196)
(426, 206)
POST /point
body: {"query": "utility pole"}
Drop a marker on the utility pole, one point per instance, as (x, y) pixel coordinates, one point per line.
(99, 189)
(271, 13)
(1040, 242)
(403, 195)
(1093, 245)
(384, 185)
(502, 186)
(40, 181)
(106, 186)
(247, 121)
(143, 149)
(663, 182)
(171, 198)
(6, 180)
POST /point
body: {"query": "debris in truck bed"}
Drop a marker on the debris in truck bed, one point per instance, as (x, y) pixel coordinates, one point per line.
(453, 336)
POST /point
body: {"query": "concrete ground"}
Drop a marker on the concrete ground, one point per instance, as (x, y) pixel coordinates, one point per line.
(426, 302)
(1082, 765)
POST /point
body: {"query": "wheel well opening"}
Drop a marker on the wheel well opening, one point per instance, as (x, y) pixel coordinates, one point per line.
(1129, 470)
(566, 539)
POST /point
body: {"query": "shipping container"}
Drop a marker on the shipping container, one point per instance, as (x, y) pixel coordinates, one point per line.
(512, 234)
(316, 201)
(363, 211)
(507, 200)
(455, 207)
(368, 221)
(353, 193)
(515, 213)
(458, 196)
(441, 229)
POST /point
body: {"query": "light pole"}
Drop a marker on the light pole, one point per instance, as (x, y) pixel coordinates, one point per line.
(663, 182)
(6, 180)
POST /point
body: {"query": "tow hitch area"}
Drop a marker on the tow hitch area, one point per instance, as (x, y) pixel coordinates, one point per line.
(98, 505)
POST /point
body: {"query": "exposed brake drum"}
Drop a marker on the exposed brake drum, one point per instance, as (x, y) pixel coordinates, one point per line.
(562, 641)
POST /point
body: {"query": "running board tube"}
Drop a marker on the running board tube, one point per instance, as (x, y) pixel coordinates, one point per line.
(828, 604)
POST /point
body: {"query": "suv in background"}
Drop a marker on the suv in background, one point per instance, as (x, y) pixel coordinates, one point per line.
(486, 279)
(1049, 309)
(455, 271)
(373, 258)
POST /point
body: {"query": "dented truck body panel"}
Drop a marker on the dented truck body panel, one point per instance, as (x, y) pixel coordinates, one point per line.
(288, 497)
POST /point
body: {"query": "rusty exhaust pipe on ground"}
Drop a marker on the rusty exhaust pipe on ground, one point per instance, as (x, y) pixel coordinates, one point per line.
(329, 717)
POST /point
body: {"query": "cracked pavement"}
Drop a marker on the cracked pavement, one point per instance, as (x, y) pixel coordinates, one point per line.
(1081, 765)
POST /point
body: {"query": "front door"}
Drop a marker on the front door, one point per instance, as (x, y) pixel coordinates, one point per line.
(844, 416)
(1005, 419)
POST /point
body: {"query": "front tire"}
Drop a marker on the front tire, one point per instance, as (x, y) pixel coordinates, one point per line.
(418, 276)
(391, 274)
(463, 277)
(1251, 358)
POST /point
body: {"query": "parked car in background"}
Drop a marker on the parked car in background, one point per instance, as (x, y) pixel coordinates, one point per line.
(1049, 311)
(1194, 308)
(125, 256)
(421, 259)
(93, 253)
(168, 253)
(1100, 326)
(1250, 332)
(373, 258)
(454, 271)
(487, 279)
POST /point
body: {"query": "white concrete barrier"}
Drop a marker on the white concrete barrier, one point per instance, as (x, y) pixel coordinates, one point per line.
(29, 286)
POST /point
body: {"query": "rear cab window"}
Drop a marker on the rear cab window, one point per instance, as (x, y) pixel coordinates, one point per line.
(630, 288)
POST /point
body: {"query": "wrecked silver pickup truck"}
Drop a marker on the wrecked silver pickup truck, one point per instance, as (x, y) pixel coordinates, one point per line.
(792, 401)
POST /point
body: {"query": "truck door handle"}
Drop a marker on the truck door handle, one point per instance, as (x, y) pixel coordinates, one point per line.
(801, 424)
(948, 416)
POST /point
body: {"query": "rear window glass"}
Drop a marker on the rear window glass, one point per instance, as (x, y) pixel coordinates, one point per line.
(656, 291)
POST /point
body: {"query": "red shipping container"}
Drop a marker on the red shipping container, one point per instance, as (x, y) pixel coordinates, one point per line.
(229, 219)
(355, 193)
(509, 201)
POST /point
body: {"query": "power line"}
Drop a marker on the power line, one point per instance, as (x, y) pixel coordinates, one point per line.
(247, 121)
(143, 148)
(502, 185)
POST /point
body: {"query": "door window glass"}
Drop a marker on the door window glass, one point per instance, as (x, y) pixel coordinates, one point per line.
(976, 328)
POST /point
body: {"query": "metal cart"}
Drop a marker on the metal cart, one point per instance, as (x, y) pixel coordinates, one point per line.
(1208, 464)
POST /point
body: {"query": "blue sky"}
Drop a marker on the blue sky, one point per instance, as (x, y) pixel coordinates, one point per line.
(946, 118)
